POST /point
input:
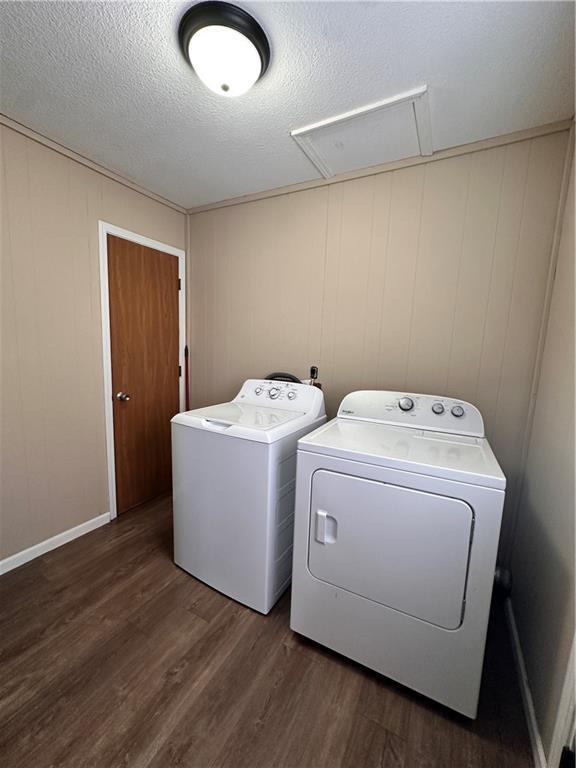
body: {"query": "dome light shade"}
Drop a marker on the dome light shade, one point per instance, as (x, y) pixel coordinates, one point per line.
(225, 46)
(225, 60)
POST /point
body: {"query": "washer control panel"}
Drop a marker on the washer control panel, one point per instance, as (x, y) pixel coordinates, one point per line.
(439, 414)
(279, 390)
(280, 394)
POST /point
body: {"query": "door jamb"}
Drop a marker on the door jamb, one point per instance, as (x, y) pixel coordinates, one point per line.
(105, 229)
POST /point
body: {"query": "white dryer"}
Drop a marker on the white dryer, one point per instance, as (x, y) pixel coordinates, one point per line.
(234, 472)
(398, 509)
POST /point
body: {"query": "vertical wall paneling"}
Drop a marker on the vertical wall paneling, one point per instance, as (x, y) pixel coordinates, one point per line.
(543, 543)
(53, 441)
(400, 252)
(503, 263)
(16, 452)
(444, 208)
(527, 302)
(430, 278)
(474, 272)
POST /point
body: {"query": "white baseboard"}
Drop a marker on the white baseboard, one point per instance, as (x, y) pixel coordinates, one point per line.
(56, 541)
(535, 738)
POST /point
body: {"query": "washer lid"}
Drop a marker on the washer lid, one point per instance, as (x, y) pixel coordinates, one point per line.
(453, 457)
(253, 422)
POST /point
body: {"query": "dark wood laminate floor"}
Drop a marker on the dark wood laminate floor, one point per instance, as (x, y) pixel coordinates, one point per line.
(111, 656)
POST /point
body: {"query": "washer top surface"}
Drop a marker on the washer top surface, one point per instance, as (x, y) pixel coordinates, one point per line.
(245, 415)
(383, 433)
(263, 411)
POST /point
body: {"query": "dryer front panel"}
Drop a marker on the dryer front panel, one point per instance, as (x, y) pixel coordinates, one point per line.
(403, 548)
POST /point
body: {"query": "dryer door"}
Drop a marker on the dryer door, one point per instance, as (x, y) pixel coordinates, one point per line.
(403, 548)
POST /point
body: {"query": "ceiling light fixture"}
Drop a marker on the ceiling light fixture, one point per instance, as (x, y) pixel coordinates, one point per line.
(225, 46)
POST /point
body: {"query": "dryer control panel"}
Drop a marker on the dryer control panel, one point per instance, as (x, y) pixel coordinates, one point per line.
(405, 409)
(284, 395)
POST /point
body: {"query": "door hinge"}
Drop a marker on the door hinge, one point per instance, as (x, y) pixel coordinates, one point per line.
(179, 284)
(179, 370)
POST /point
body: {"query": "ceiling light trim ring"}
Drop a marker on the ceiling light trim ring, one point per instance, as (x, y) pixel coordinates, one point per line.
(215, 13)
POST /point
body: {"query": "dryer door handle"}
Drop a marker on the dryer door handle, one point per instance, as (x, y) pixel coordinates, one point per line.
(326, 527)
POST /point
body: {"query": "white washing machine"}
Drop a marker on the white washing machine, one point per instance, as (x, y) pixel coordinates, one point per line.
(234, 471)
(398, 509)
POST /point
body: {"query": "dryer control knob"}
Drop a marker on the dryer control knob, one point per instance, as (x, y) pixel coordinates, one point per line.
(406, 403)
(438, 408)
(274, 392)
(457, 411)
(291, 395)
(258, 391)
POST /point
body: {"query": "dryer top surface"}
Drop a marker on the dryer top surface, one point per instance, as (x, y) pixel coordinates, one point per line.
(438, 454)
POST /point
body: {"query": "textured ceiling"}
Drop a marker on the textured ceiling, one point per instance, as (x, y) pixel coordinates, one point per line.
(107, 80)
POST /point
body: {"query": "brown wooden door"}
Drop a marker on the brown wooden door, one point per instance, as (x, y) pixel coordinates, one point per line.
(143, 296)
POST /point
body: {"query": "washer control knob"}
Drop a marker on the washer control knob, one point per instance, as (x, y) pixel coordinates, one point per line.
(291, 395)
(258, 391)
(438, 408)
(457, 411)
(406, 403)
(274, 392)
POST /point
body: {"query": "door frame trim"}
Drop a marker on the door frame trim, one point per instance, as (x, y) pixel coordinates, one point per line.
(105, 229)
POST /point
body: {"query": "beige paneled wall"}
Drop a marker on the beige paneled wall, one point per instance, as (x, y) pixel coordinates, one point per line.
(431, 278)
(543, 557)
(53, 443)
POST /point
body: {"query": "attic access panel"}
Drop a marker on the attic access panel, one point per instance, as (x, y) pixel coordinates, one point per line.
(383, 132)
